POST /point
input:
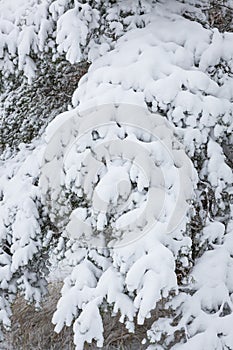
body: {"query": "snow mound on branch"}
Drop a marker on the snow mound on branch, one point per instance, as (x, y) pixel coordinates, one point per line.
(126, 169)
(21, 259)
(117, 181)
(80, 31)
(185, 75)
(32, 28)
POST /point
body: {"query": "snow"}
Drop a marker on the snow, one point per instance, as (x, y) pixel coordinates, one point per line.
(105, 167)
(116, 176)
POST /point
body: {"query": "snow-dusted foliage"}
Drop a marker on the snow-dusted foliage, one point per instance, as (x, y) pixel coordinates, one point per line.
(131, 181)
(21, 121)
(22, 257)
(160, 78)
(76, 29)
